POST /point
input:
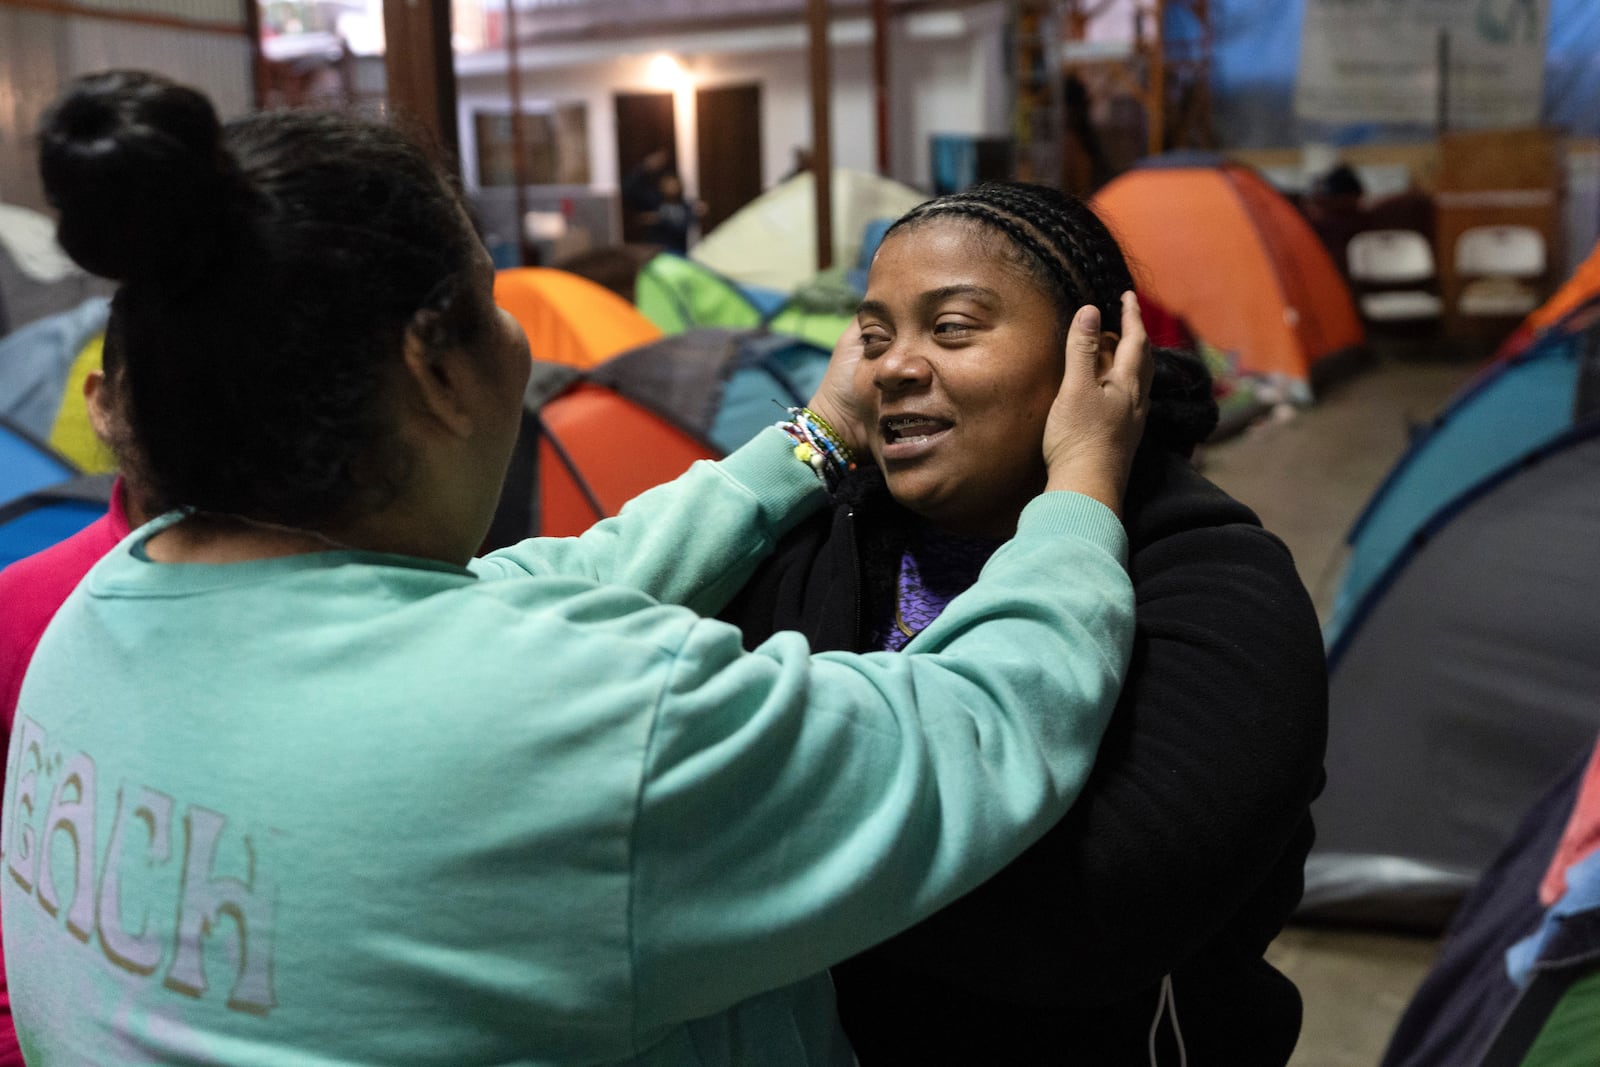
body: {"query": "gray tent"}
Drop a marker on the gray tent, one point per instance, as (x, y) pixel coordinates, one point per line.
(1464, 675)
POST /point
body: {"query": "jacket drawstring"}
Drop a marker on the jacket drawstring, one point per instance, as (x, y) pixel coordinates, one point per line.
(1167, 1006)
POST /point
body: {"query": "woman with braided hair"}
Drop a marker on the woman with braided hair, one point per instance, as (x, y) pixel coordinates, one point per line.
(1134, 931)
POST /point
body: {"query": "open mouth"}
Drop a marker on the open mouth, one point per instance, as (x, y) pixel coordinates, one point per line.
(911, 429)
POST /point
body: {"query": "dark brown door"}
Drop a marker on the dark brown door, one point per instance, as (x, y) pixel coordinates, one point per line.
(645, 125)
(729, 152)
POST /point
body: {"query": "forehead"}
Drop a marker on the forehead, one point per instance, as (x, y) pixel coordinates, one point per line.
(945, 250)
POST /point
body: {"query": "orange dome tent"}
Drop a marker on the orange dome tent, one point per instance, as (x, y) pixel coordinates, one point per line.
(1232, 257)
(569, 319)
(1577, 290)
(599, 451)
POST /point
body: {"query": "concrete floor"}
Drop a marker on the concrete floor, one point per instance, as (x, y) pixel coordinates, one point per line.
(1308, 474)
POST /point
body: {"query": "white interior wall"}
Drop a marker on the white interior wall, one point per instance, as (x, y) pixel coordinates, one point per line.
(40, 51)
(947, 75)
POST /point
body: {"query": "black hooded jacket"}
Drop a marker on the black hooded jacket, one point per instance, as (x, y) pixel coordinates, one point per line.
(1182, 856)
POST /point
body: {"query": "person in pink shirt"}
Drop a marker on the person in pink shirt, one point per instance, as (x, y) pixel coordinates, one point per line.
(33, 588)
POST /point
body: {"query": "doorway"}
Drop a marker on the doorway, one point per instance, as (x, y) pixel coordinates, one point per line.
(645, 124)
(728, 155)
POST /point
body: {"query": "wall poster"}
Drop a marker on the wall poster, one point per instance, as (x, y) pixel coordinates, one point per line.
(1379, 61)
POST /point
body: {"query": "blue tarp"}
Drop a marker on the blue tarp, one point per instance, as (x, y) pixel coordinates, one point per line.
(1256, 54)
(27, 527)
(36, 520)
(27, 464)
(36, 360)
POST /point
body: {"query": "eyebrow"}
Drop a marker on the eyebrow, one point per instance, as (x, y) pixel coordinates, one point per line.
(934, 296)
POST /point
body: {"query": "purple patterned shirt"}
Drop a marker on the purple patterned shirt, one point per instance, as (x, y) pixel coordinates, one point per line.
(934, 568)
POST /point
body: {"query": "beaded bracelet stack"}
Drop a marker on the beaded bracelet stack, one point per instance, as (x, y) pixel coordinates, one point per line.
(818, 445)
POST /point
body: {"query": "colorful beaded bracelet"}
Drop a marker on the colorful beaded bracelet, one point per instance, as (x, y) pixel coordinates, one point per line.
(818, 445)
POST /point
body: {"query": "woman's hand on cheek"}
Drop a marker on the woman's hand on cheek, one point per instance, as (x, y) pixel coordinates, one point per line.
(836, 399)
(1097, 418)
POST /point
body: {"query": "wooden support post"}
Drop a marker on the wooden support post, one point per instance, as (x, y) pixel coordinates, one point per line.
(519, 150)
(258, 59)
(421, 70)
(1442, 60)
(880, 78)
(821, 129)
(1156, 98)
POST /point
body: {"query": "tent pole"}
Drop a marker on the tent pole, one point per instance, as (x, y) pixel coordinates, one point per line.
(419, 66)
(821, 134)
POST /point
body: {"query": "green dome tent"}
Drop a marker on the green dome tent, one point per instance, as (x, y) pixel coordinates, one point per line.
(819, 311)
(678, 294)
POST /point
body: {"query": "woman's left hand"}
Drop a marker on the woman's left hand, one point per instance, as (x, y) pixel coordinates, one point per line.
(1098, 416)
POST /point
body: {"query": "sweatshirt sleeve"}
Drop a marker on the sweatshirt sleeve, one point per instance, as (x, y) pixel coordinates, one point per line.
(692, 541)
(1201, 790)
(796, 808)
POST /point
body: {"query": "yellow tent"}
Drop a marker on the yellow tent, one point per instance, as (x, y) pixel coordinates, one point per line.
(73, 434)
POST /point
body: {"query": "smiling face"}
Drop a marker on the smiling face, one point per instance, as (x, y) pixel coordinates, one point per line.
(962, 357)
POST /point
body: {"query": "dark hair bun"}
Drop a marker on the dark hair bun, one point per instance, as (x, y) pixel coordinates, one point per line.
(1183, 408)
(135, 166)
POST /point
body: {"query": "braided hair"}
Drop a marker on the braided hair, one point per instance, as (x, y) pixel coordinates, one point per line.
(1059, 242)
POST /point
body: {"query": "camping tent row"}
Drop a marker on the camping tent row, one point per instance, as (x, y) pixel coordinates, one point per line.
(1210, 240)
(1462, 674)
(1285, 312)
(652, 406)
(679, 294)
(591, 440)
(757, 267)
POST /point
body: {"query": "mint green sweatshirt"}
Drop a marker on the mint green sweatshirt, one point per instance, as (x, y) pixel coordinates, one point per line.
(348, 808)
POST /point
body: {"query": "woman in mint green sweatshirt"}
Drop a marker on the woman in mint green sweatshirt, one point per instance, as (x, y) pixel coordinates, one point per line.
(294, 780)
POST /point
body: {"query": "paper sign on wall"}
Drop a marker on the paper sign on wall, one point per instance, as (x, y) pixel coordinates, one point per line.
(1378, 61)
